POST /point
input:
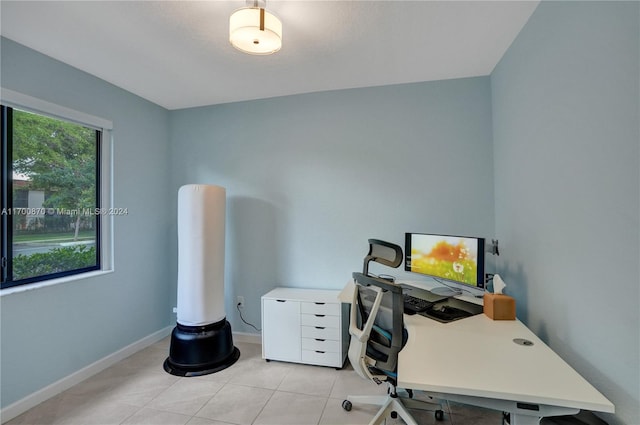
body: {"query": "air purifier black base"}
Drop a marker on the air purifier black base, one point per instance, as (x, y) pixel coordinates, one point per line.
(201, 350)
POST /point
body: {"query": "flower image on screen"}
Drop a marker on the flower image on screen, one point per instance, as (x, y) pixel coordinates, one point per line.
(448, 257)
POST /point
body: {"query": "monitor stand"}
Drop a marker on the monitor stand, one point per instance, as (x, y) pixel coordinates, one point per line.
(446, 291)
(423, 294)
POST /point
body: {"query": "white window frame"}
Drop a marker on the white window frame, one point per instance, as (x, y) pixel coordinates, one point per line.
(31, 104)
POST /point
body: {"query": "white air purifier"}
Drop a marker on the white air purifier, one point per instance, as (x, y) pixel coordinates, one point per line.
(201, 342)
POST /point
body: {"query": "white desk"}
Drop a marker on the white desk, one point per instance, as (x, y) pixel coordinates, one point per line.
(475, 361)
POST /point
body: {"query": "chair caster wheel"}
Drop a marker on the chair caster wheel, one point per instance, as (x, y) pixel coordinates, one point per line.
(439, 415)
(394, 415)
(346, 405)
(410, 392)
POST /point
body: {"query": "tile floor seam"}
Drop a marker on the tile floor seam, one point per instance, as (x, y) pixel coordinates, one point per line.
(299, 393)
(155, 410)
(252, 386)
(158, 395)
(263, 406)
(209, 399)
(199, 409)
(336, 379)
(326, 401)
(130, 416)
(195, 415)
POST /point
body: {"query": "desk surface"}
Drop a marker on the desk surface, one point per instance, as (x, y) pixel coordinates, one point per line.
(477, 357)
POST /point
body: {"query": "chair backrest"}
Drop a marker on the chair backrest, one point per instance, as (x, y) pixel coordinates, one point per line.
(360, 328)
(376, 327)
(376, 320)
(384, 253)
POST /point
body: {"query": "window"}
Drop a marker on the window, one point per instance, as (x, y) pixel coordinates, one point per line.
(52, 220)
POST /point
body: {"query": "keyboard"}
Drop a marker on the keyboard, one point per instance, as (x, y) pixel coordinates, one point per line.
(446, 314)
(413, 305)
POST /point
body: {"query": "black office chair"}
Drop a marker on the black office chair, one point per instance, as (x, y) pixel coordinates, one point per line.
(378, 335)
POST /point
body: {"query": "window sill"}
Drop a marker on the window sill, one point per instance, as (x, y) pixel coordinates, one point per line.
(51, 282)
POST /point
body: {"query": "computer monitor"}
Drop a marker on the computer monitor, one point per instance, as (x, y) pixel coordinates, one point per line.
(458, 259)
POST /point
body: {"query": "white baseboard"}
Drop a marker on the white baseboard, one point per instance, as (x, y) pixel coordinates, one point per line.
(247, 337)
(33, 399)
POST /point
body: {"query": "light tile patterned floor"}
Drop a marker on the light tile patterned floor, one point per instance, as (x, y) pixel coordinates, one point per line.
(251, 392)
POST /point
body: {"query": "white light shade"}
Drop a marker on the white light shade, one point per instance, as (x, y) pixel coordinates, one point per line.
(248, 34)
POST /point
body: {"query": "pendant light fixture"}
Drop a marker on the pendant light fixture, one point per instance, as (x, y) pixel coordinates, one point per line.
(253, 30)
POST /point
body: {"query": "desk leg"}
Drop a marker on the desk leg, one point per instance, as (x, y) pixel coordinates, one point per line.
(520, 413)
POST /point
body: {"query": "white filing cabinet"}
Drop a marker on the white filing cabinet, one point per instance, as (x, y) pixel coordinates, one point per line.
(305, 326)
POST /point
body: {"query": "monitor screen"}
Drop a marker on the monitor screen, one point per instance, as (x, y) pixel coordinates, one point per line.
(458, 259)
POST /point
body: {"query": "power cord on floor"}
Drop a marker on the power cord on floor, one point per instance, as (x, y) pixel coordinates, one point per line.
(242, 318)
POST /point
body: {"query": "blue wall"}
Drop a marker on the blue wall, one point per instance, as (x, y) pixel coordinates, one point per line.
(52, 332)
(311, 177)
(567, 184)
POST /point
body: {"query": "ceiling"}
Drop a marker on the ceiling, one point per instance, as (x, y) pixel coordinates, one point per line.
(177, 53)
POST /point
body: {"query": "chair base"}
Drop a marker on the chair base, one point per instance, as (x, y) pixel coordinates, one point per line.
(390, 404)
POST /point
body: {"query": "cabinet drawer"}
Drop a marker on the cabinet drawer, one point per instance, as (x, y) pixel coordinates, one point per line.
(320, 358)
(326, 345)
(320, 320)
(328, 309)
(321, 333)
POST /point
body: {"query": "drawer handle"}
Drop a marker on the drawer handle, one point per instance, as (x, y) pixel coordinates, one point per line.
(321, 340)
(282, 301)
(319, 327)
(319, 315)
(320, 303)
(320, 352)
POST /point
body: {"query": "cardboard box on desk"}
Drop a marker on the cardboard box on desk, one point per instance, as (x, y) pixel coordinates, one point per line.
(499, 307)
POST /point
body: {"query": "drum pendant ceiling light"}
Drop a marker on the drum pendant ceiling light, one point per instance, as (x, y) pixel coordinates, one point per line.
(255, 31)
